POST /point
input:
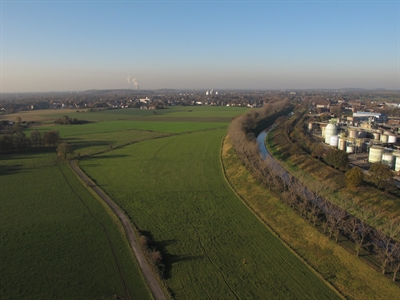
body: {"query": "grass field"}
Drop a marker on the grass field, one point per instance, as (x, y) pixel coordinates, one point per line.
(214, 247)
(57, 241)
(49, 115)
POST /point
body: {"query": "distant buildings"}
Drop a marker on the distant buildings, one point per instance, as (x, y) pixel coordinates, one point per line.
(370, 116)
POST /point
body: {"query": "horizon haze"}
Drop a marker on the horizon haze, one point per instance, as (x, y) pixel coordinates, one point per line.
(75, 46)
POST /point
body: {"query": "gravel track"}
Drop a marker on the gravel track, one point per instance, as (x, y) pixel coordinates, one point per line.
(130, 234)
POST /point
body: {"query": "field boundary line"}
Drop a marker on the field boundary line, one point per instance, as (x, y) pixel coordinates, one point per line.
(287, 245)
(105, 231)
(130, 232)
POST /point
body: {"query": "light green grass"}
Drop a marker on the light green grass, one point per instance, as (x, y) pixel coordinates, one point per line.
(214, 247)
(53, 244)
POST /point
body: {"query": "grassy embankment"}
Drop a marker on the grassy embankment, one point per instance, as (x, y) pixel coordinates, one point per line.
(213, 246)
(57, 240)
(352, 277)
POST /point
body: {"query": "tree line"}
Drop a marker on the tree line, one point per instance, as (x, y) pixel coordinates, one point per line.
(335, 220)
(15, 140)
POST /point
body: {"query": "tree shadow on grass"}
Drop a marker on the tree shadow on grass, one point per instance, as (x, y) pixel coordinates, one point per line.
(168, 259)
(108, 156)
(87, 144)
(10, 169)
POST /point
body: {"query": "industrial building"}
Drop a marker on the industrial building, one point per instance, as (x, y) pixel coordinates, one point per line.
(380, 144)
(370, 117)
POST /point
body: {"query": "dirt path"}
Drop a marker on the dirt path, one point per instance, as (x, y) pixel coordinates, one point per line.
(147, 272)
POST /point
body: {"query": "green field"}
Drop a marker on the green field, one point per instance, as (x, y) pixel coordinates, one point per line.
(168, 178)
(223, 113)
(57, 241)
(214, 247)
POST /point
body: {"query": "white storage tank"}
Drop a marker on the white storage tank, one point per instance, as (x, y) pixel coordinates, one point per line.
(397, 161)
(375, 154)
(334, 140)
(342, 144)
(377, 136)
(349, 149)
(388, 158)
(353, 133)
(392, 139)
(384, 138)
(330, 130)
(310, 126)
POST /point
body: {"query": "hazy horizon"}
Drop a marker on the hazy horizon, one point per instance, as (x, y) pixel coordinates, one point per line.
(76, 46)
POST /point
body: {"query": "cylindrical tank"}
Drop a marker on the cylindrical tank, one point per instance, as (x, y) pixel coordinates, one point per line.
(388, 158)
(342, 144)
(392, 139)
(375, 154)
(353, 133)
(333, 141)
(349, 149)
(377, 136)
(397, 161)
(330, 130)
(384, 138)
(362, 134)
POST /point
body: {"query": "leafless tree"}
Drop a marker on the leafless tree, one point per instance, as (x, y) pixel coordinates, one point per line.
(384, 241)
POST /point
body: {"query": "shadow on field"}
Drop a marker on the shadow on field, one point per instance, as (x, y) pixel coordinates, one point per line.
(86, 144)
(102, 156)
(168, 259)
(10, 169)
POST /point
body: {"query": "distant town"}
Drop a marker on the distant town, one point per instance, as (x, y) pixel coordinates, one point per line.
(332, 101)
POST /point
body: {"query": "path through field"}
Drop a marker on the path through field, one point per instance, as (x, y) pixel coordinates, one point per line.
(147, 273)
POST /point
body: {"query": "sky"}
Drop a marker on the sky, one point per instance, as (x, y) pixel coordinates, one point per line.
(81, 45)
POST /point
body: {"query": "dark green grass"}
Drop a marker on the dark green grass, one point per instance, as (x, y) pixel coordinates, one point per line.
(48, 116)
(214, 247)
(53, 244)
(117, 126)
(202, 111)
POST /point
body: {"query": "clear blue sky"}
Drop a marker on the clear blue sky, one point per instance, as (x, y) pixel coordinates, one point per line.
(80, 45)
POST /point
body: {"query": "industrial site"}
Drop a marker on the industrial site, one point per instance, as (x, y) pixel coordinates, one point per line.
(365, 136)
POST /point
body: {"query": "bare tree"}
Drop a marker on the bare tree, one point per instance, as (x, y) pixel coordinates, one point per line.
(395, 259)
(383, 242)
(335, 217)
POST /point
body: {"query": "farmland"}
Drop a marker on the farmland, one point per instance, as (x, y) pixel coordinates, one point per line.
(214, 247)
(168, 178)
(57, 240)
